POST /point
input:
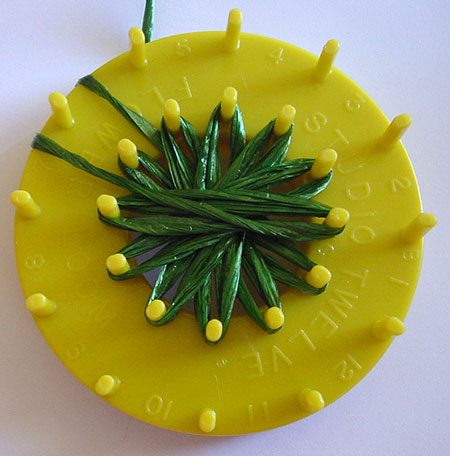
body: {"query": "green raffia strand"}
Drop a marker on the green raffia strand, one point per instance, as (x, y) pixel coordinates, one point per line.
(276, 153)
(143, 125)
(180, 167)
(249, 304)
(284, 275)
(230, 276)
(218, 285)
(256, 269)
(195, 276)
(285, 248)
(155, 169)
(239, 208)
(157, 225)
(147, 22)
(247, 157)
(191, 137)
(267, 178)
(142, 244)
(302, 207)
(178, 226)
(211, 225)
(137, 176)
(211, 146)
(168, 275)
(312, 188)
(237, 134)
(202, 306)
(174, 250)
(207, 158)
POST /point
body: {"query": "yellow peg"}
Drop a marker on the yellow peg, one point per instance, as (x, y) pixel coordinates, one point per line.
(117, 264)
(318, 276)
(385, 329)
(228, 103)
(325, 62)
(337, 217)
(108, 206)
(274, 317)
(418, 228)
(40, 305)
(172, 115)
(284, 120)
(128, 154)
(207, 420)
(323, 164)
(214, 330)
(107, 385)
(311, 400)
(61, 110)
(155, 310)
(25, 204)
(137, 48)
(395, 131)
(233, 30)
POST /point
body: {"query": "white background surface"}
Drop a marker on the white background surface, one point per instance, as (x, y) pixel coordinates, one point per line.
(398, 52)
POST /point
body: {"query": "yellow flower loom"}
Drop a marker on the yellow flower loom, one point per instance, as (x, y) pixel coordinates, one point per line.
(252, 381)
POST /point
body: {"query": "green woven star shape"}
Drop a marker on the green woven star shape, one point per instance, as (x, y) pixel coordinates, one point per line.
(220, 220)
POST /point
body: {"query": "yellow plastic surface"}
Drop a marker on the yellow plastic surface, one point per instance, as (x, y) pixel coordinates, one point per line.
(251, 381)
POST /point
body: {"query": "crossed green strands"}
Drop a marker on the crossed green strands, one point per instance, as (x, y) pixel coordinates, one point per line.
(212, 223)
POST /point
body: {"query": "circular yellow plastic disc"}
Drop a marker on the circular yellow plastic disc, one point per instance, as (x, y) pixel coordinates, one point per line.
(251, 381)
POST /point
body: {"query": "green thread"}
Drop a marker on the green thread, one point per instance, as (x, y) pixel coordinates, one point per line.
(147, 22)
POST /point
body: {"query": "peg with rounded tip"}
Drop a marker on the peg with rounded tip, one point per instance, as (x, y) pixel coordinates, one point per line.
(323, 164)
(108, 206)
(137, 48)
(233, 31)
(128, 153)
(395, 131)
(311, 400)
(228, 103)
(418, 228)
(326, 59)
(207, 420)
(284, 120)
(155, 310)
(107, 385)
(39, 305)
(388, 327)
(318, 276)
(274, 318)
(25, 204)
(214, 330)
(61, 110)
(337, 217)
(117, 264)
(172, 115)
